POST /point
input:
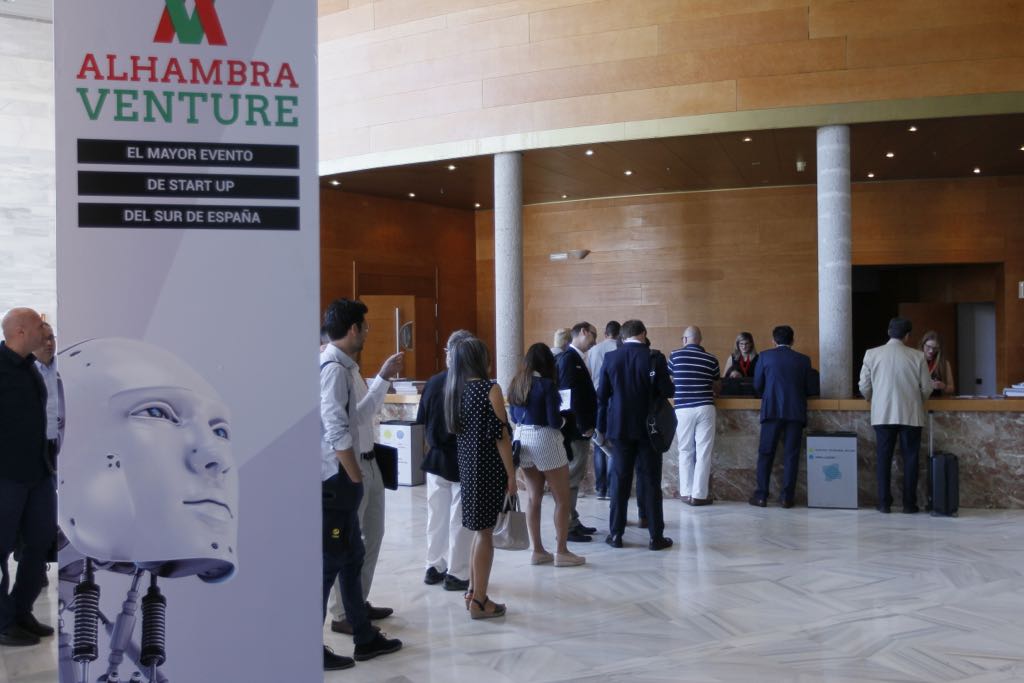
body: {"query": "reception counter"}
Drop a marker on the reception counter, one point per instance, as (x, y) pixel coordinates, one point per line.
(987, 435)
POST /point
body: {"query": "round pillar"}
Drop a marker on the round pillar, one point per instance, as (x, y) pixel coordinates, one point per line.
(508, 265)
(835, 298)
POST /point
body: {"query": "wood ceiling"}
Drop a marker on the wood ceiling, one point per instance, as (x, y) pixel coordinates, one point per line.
(939, 148)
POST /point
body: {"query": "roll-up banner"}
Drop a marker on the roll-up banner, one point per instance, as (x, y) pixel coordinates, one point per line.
(187, 247)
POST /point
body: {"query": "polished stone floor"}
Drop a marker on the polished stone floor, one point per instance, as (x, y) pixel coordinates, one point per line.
(745, 595)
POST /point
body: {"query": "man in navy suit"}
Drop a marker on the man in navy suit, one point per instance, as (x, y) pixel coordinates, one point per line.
(631, 378)
(784, 379)
(573, 374)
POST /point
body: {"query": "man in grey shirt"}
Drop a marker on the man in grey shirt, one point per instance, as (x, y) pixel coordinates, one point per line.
(595, 359)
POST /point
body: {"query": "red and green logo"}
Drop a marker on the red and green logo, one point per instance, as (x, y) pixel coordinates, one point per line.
(175, 21)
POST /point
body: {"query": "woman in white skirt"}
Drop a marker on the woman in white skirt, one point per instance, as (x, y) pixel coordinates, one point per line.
(534, 400)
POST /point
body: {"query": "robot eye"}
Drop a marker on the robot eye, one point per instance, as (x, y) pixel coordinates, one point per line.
(221, 429)
(156, 411)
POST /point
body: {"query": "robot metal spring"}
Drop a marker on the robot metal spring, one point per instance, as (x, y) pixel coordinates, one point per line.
(154, 627)
(87, 612)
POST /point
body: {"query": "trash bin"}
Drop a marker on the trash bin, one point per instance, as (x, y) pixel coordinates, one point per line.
(408, 439)
(832, 470)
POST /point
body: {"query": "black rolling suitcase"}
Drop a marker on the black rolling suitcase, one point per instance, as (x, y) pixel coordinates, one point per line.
(943, 480)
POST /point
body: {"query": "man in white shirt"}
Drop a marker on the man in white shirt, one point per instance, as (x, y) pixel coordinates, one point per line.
(896, 380)
(352, 480)
(46, 363)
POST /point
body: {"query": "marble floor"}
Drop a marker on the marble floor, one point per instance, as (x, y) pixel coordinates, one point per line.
(746, 594)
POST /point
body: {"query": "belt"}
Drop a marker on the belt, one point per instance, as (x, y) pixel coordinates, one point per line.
(368, 455)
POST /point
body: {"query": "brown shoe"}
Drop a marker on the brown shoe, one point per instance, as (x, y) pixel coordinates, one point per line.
(687, 500)
(702, 501)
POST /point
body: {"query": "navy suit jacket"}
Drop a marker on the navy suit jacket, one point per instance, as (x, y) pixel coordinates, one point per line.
(624, 395)
(574, 375)
(784, 379)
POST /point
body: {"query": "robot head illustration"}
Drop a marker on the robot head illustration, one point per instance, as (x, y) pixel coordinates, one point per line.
(146, 475)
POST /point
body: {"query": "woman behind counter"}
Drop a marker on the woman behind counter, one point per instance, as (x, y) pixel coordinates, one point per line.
(940, 369)
(743, 359)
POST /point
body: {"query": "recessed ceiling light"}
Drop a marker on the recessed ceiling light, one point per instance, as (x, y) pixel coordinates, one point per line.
(452, 167)
(627, 172)
(912, 129)
(476, 205)
(589, 152)
(871, 175)
(1022, 148)
(412, 195)
(335, 182)
(890, 155)
(748, 139)
(977, 169)
(565, 196)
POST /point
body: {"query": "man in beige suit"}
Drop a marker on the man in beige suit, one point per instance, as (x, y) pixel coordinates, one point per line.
(895, 379)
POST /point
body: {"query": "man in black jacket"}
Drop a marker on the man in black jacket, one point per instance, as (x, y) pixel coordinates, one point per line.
(448, 542)
(573, 374)
(28, 502)
(631, 378)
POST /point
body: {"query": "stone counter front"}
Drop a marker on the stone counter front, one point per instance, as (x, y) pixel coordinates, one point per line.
(987, 436)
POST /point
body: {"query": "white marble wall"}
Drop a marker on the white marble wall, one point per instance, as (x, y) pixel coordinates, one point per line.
(28, 262)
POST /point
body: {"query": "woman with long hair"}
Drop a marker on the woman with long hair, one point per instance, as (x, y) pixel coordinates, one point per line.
(743, 358)
(475, 412)
(940, 369)
(535, 403)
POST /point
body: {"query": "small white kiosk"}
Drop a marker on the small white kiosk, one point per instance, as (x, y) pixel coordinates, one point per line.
(832, 470)
(408, 439)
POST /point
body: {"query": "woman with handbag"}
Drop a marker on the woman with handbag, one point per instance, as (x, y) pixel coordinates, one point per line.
(535, 404)
(475, 413)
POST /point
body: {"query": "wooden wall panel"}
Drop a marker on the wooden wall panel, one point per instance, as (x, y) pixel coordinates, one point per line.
(671, 261)
(747, 259)
(385, 237)
(408, 74)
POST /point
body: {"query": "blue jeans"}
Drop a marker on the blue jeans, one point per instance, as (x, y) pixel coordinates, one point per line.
(600, 470)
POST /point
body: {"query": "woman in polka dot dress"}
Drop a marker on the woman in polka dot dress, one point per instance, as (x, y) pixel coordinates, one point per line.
(475, 413)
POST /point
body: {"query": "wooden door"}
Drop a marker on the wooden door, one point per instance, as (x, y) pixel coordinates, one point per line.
(386, 316)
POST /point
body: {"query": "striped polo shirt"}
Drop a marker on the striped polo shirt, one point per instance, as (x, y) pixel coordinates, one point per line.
(693, 370)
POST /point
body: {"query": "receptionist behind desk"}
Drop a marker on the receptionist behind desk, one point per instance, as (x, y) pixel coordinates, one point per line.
(739, 368)
(939, 368)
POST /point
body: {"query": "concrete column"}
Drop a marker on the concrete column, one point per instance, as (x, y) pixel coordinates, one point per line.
(835, 298)
(508, 265)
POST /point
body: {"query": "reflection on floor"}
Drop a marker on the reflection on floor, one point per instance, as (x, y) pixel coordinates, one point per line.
(746, 594)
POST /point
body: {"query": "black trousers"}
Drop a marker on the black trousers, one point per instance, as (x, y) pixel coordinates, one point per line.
(343, 558)
(27, 510)
(910, 447)
(628, 454)
(771, 431)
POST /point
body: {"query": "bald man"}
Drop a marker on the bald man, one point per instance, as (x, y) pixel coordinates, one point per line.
(28, 502)
(696, 376)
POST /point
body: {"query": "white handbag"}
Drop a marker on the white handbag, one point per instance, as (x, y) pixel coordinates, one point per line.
(510, 531)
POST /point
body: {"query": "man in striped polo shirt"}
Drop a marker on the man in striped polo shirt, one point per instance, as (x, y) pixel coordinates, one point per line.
(696, 375)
